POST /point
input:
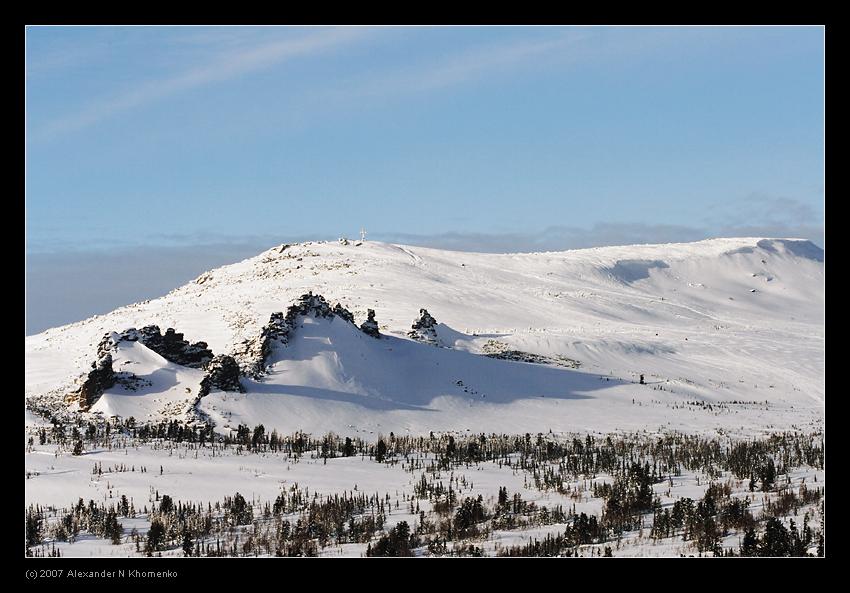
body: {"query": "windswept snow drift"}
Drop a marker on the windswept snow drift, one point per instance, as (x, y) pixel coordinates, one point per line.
(734, 324)
(157, 386)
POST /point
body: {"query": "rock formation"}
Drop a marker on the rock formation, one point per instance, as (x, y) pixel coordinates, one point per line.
(222, 373)
(171, 345)
(99, 379)
(254, 353)
(343, 313)
(424, 329)
(370, 326)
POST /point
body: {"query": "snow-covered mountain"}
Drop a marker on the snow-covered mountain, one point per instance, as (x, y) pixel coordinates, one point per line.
(727, 333)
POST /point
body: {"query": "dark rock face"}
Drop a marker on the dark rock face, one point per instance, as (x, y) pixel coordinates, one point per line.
(255, 352)
(343, 313)
(99, 379)
(424, 329)
(309, 304)
(370, 326)
(107, 344)
(222, 373)
(171, 346)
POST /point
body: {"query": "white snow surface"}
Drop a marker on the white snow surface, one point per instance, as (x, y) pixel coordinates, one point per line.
(684, 315)
(168, 387)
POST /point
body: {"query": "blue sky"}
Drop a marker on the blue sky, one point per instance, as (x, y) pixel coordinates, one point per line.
(485, 138)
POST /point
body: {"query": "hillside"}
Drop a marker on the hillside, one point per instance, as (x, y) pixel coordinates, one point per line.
(728, 333)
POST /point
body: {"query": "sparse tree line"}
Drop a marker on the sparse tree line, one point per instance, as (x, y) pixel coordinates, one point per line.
(298, 523)
(295, 524)
(760, 461)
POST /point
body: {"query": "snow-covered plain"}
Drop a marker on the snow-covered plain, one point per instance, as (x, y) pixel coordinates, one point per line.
(56, 479)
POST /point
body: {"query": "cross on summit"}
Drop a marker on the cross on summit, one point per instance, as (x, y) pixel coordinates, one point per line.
(362, 234)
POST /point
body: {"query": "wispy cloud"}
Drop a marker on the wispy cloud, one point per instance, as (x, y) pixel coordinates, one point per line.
(755, 215)
(221, 69)
(553, 238)
(463, 67)
(97, 281)
(470, 65)
(600, 235)
(763, 209)
(235, 55)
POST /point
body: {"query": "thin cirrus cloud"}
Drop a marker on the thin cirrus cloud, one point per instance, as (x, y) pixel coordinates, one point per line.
(753, 215)
(95, 282)
(559, 238)
(235, 64)
(471, 64)
(456, 69)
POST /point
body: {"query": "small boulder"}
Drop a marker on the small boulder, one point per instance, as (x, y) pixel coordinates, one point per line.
(370, 326)
(424, 329)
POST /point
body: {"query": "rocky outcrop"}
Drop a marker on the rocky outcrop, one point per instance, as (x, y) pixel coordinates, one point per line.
(171, 345)
(108, 343)
(222, 373)
(424, 329)
(500, 350)
(343, 313)
(253, 354)
(370, 326)
(99, 379)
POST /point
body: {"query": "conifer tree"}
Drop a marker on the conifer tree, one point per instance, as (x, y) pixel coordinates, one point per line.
(380, 450)
(187, 542)
(156, 536)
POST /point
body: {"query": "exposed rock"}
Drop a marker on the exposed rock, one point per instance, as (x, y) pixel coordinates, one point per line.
(171, 345)
(370, 326)
(99, 379)
(424, 329)
(343, 313)
(222, 373)
(309, 304)
(254, 353)
(130, 381)
(500, 350)
(108, 343)
(205, 277)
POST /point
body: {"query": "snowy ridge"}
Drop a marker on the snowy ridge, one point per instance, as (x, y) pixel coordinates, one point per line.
(718, 321)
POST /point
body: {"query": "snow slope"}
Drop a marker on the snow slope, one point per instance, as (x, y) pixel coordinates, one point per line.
(735, 324)
(165, 388)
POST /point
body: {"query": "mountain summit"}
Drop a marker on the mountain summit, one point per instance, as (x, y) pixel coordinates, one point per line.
(326, 336)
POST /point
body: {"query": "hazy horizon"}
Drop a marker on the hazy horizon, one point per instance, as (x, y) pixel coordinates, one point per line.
(177, 149)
